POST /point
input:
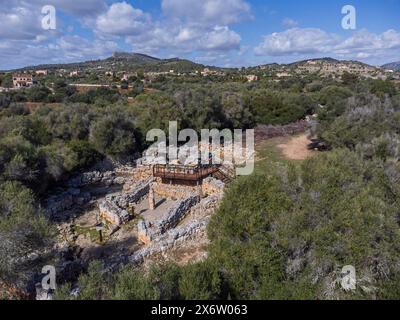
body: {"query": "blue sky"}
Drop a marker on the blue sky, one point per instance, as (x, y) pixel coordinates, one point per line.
(214, 32)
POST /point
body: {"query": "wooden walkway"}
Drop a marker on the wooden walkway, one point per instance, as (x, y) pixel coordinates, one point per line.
(194, 174)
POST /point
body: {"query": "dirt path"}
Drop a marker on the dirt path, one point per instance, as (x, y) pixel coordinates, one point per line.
(296, 148)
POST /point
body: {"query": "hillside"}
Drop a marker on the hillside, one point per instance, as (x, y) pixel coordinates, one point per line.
(123, 61)
(392, 66)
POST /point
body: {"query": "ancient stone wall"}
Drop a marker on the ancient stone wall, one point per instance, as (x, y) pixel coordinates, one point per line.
(173, 191)
(170, 239)
(177, 213)
(113, 208)
(147, 232)
(137, 174)
(112, 213)
(144, 234)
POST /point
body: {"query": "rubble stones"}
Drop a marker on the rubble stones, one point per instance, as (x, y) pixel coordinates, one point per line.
(59, 203)
(108, 178)
(213, 186)
(67, 232)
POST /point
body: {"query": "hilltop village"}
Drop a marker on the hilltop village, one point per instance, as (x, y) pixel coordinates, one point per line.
(136, 72)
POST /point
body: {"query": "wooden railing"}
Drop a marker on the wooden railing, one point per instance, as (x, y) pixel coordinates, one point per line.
(181, 172)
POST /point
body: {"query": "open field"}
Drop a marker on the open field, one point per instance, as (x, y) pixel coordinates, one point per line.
(286, 149)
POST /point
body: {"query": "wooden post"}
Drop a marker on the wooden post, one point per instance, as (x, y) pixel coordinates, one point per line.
(200, 188)
(152, 204)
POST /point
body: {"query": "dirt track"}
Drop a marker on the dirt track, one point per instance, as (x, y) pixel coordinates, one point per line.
(296, 148)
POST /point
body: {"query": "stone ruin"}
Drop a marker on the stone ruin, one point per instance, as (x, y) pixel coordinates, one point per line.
(76, 195)
(114, 208)
(148, 231)
(164, 214)
(159, 229)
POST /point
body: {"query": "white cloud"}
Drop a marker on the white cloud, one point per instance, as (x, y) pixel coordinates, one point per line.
(79, 8)
(361, 45)
(221, 38)
(19, 23)
(186, 35)
(186, 39)
(122, 19)
(66, 49)
(296, 41)
(186, 26)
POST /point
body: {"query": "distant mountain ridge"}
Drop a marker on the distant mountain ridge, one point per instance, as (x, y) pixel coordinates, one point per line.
(135, 58)
(125, 61)
(392, 66)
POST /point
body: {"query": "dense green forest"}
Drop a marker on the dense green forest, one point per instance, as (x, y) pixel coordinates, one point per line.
(279, 234)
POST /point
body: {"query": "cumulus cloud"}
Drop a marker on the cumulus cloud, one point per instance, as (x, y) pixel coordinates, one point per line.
(20, 23)
(184, 39)
(185, 26)
(122, 19)
(221, 38)
(65, 49)
(297, 41)
(81, 8)
(174, 32)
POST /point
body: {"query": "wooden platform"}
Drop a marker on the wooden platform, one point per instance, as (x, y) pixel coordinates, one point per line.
(188, 174)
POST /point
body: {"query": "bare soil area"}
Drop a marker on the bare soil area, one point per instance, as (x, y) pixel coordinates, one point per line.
(296, 148)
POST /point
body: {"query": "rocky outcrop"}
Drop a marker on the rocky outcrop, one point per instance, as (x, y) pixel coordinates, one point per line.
(107, 178)
(43, 294)
(57, 204)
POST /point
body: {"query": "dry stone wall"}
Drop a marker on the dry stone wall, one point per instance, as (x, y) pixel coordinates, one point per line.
(112, 213)
(177, 213)
(148, 232)
(173, 191)
(113, 208)
(169, 240)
